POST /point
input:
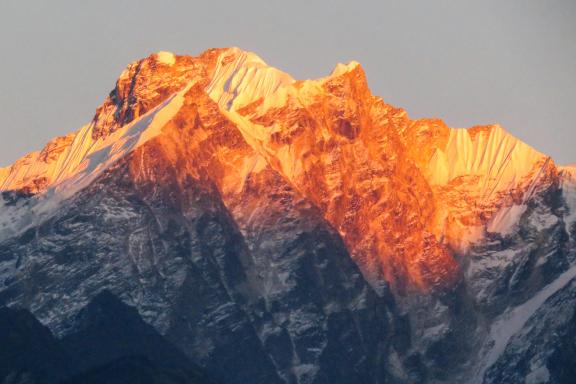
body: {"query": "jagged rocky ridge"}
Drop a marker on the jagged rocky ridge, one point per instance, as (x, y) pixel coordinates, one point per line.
(110, 343)
(279, 230)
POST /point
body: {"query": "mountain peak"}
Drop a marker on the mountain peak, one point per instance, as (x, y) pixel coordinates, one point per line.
(340, 68)
(232, 53)
(242, 77)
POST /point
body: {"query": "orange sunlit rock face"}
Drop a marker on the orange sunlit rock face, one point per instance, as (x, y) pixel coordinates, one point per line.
(336, 144)
(146, 83)
(405, 195)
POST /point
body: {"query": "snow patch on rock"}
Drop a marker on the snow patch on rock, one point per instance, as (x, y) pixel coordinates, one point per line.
(492, 153)
(341, 69)
(568, 185)
(506, 219)
(164, 57)
(513, 320)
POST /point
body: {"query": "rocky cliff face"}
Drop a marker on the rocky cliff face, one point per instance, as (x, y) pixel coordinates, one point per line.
(290, 231)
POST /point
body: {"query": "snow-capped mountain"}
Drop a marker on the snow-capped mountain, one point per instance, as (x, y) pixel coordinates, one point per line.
(298, 231)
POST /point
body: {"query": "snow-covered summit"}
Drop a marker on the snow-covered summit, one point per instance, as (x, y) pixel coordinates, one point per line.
(241, 78)
(487, 164)
(233, 78)
(341, 68)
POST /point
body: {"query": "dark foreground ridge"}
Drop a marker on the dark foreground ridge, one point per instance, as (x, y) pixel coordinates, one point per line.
(110, 344)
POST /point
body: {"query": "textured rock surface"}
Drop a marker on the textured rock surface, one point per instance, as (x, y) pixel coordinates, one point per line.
(286, 231)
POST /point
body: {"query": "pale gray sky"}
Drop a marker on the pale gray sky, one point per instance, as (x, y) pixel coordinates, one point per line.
(468, 62)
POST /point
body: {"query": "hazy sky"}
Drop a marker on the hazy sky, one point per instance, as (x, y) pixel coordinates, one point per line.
(468, 62)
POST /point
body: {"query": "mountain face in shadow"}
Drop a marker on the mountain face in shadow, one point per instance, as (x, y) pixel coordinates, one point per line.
(29, 352)
(110, 344)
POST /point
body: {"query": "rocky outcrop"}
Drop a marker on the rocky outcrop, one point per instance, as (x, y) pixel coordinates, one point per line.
(146, 83)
